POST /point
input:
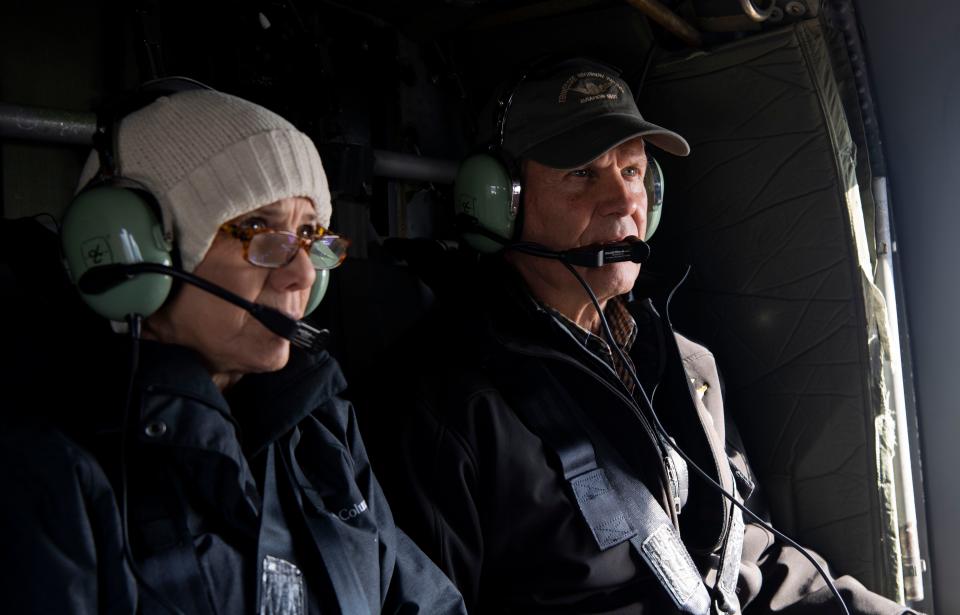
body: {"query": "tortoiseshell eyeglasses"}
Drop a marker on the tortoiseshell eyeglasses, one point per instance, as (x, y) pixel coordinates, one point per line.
(267, 247)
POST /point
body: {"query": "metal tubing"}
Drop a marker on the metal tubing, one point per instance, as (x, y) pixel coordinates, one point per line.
(842, 13)
(405, 166)
(909, 538)
(76, 128)
(672, 22)
(46, 125)
(756, 14)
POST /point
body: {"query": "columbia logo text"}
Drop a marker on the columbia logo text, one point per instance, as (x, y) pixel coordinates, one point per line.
(353, 511)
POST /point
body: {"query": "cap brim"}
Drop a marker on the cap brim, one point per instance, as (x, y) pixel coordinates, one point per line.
(588, 141)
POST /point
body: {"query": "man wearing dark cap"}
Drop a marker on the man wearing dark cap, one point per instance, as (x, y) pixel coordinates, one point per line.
(536, 473)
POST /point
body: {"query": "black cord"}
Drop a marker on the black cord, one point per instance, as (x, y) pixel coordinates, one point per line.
(663, 433)
(646, 69)
(135, 323)
(104, 277)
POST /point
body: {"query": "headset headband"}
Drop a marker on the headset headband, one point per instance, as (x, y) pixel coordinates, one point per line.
(112, 113)
(503, 109)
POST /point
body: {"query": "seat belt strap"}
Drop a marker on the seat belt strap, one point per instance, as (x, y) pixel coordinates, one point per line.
(730, 557)
(330, 546)
(615, 513)
(280, 585)
(725, 585)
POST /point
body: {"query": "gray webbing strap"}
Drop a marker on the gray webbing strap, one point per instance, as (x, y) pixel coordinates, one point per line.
(332, 549)
(725, 596)
(730, 556)
(280, 585)
(624, 510)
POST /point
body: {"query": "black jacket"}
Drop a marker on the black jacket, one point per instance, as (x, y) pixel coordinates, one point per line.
(195, 472)
(481, 493)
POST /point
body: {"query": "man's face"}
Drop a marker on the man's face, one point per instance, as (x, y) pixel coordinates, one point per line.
(600, 203)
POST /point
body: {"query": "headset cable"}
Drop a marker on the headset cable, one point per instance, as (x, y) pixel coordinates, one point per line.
(135, 324)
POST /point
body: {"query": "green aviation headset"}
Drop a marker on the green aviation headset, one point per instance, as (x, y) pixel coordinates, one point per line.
(488, 189)
(115, 220)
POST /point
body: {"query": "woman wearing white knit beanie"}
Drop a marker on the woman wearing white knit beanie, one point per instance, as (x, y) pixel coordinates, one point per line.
(235, 479)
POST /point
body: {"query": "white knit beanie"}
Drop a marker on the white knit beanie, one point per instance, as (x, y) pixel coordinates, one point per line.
(209, 157)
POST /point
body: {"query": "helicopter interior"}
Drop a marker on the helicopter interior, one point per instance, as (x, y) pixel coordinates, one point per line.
(782, 211)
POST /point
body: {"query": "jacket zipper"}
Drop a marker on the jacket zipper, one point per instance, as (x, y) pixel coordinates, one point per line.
(674, 481)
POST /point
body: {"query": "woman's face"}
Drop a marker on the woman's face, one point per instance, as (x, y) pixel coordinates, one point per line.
(229, 339)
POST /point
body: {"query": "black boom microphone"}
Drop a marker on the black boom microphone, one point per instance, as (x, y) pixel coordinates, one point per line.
(101, 279)
(631, 249)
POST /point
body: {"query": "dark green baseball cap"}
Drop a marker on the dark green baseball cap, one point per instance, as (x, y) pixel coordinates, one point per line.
(575, 111)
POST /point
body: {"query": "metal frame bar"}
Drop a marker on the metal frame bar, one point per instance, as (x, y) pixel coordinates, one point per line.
(71, 128)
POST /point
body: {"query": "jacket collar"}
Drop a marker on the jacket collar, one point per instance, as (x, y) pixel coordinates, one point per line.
(176, 386)
(180, 405)
(177, 370)
(269, 405)
(516, 316)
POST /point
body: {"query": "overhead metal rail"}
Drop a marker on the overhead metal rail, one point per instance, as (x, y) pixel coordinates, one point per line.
(55, 126)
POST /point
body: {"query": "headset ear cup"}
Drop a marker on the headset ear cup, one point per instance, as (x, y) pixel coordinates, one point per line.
(653, 220)
(317, 291)
(485, 191)
(653, 184)
(109, 224)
